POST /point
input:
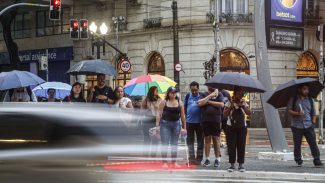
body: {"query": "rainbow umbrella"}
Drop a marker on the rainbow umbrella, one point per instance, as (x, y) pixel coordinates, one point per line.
(140, 86)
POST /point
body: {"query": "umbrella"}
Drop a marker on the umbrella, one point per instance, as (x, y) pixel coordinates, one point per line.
(284, 92)
(140, 86)
(17, 79)
(230, 80)
(62, 89)
(92, 67)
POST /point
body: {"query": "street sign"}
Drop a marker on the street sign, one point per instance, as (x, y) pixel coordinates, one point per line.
(125, 66)
(279, 37)
(43, 63)
(178, 67)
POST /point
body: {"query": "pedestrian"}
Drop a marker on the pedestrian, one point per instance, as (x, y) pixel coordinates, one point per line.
(101, 93)
(76, 94)
(150, 107)
(226, 98)
(120, 100)
(302, 112)
(23, 94)
(51, 94)
(170, 111)
(193, 123)
(211, 105)
(236, 110)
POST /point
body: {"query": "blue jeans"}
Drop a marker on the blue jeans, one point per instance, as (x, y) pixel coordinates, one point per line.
(169, 132)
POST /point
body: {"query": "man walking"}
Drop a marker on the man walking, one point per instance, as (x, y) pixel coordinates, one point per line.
(301, 109)
(101, 93)
(212, 105)
(193, 127)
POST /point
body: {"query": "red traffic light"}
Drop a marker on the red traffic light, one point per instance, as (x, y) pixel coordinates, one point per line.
(57, 2)
(55, 9)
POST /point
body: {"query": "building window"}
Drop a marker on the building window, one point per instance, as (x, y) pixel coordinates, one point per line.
(47, 27)
(21, 26)
(232, 60)
(156, 64)
(307, 65)
(231, 6)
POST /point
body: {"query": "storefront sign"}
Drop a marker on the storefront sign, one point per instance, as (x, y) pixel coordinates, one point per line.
(53, 54)
(285, 38)
(287, 10)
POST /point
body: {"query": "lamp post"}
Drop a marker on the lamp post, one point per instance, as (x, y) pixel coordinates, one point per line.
(95, 39)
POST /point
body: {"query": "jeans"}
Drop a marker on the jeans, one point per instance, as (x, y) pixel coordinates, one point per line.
(192, 130)
(310, 136)
(236, 144)
(169, 132)
(151, 145)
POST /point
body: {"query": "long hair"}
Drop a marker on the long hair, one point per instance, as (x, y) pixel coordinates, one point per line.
(170, 89)
(81, 95)
(151, 94)
(115, 93)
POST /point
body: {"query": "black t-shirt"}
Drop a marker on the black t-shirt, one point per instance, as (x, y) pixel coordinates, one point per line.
(211, 113)
(106, 90)
(72, 99)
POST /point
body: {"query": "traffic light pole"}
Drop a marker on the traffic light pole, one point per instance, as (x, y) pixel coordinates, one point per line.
(321, 78)
(216, 38)
(176, 42)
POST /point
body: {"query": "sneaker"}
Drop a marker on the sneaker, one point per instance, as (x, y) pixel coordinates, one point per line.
(299, 163)
(216, 163)
(241, 168)
(206, 163)
(231, 168)
(318, 164)
(165, 166)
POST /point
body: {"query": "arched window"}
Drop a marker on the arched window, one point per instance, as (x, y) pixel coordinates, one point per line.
(232, 60)
(307, 65)
(156, 64)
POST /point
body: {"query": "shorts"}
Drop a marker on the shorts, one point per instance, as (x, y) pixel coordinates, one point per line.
(211, 128)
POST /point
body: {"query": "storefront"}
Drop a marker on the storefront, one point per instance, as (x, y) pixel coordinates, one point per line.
(58, 62)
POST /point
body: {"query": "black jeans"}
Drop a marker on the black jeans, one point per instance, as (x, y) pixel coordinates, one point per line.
(236, 144)
(309, 134)
(192, 130)
(151, 145)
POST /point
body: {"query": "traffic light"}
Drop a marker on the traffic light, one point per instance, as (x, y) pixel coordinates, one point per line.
(55, 9)
(74, 29)
(84, 29)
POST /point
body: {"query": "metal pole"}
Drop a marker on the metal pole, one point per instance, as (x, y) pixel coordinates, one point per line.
(21, 4)
(321, 79)
(272, 118)
(98, 48)
(47, 69)
(216, 38)
(176, 43)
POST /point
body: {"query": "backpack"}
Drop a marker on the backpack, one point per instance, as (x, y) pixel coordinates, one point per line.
(237, 118)
(312, 108)
(186, 101)
(29, 91)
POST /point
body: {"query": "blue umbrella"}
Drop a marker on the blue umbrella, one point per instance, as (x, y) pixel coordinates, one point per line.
(18, 79)
(61, 89)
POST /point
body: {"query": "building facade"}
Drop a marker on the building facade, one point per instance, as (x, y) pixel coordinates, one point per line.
(147, 38)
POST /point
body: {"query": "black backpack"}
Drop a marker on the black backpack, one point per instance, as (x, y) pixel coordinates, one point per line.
(237, 118)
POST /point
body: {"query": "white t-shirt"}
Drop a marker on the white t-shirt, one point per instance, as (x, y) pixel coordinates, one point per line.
(122, 103)
(228, 104)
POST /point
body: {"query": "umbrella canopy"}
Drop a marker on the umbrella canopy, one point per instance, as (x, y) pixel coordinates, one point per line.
(230, 80)
(284, 92)
(92, 67)
(18, 79)
(140, 86)
(61, 89)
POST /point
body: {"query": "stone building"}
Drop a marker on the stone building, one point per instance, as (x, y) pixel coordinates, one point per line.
(146, 36)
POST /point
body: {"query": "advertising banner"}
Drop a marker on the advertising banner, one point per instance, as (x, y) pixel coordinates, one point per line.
(287, 10)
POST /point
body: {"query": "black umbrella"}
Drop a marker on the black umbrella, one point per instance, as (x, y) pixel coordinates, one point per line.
(284, 92)
(230, 80)
(92, 67)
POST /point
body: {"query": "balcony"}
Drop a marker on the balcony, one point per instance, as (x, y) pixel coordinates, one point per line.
(233, 19)
(152, 23)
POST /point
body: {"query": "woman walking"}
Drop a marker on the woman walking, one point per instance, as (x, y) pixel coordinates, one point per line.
(120, 100)
(236, 111)
(171, 110)
(150, 107)
(76, 94)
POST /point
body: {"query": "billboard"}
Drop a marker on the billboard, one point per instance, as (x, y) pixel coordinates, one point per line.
(285, 38)
(287, 10)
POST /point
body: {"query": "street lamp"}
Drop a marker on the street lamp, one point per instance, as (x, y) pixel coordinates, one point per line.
(93, 28)
(103, 29)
